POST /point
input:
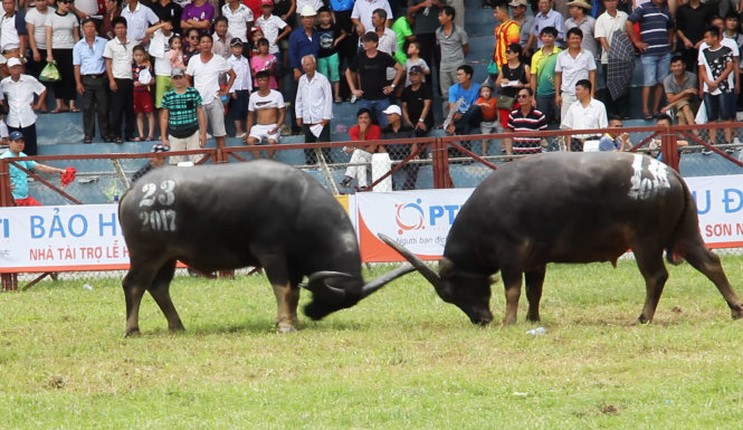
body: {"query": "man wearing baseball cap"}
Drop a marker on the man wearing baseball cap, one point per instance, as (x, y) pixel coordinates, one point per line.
(182, 115)
(518, 14)
(20, 90)
(19, 178)
(159, 155)
(396, 130)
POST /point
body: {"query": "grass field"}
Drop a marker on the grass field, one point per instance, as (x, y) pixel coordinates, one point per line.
(402, 359)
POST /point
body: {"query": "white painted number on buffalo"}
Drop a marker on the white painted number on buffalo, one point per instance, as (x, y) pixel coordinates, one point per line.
(647, 183)
(162, 219)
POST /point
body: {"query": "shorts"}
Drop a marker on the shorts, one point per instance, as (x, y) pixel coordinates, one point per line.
(720, 107)
(215, 117)
(28, 201)
(329, 67)
(655, 68)
(261, 132)
(143, 102)
(162, 85)
(239, 105)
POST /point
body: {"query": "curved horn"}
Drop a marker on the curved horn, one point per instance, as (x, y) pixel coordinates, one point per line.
(316, 283)
(417, 263)
(381, 281)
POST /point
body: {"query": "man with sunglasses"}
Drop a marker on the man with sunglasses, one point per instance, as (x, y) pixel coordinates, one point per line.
(526, 121)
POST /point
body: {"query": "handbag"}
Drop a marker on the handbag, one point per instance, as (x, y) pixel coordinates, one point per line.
(504, 102)
(492, 68)
(50, 73)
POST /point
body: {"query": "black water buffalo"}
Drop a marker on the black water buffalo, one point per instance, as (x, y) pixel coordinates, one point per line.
(221, 217)
(569, 208)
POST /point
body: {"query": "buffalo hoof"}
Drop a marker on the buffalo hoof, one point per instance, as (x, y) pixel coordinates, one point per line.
(737, 313)
(282, 329)
(132, 333)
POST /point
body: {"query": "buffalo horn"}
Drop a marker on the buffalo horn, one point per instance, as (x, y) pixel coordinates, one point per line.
(388, 277)
(417, 263)
(316, 283)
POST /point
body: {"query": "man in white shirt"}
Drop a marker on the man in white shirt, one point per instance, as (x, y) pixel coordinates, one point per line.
(19, 90)
(204, 71)
(239, 18)
(573, 64)
(584, 114)
(314, 108)
(361, 16)
(138, 17)
(118, 55)
(13, 33)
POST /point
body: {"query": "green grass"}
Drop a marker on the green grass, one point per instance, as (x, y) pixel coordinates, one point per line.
(400, 359)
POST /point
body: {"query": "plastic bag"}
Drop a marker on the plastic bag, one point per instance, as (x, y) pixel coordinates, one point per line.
(145, 77)
(50, 73)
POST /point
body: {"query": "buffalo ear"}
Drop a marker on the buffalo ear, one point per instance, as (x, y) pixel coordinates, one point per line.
(446, 268)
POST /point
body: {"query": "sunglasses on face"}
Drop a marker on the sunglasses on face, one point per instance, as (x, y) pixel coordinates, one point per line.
(522, 96)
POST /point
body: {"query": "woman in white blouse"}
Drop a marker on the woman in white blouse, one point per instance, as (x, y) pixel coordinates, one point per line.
(62, 32)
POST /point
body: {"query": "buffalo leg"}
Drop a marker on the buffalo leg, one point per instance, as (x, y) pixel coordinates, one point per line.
(709, 264)
(512, 285)
(654, 271)
(534, 283)
(160, 291)
(135, 283)
(287, 300)
(287, 297)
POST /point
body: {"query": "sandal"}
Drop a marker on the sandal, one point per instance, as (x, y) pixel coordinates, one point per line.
(647, 117)
(135, 139)
(59, 110)
(149, 138)
(74, 110)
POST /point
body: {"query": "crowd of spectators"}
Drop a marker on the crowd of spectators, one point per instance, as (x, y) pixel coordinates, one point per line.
(249, 60)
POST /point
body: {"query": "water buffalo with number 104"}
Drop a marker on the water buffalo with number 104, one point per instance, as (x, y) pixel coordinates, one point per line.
(569, 208)
(222, 217)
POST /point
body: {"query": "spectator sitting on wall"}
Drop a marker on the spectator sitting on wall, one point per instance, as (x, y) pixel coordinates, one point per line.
(462, 97)
(19, 178)
(157, 160)
(361, 156)
(396, 130)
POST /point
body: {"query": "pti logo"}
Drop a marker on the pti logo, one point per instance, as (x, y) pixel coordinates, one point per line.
(409, 216)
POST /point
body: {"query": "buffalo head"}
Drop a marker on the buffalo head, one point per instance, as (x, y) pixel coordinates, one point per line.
(332, 291)
(470, 292)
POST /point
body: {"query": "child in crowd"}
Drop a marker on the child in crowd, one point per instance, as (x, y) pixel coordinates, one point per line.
(489, 122)
(142, 76)
(176, 55)
(274, 29)
(264, 61)
(414, 59)
(330, 35)
(256, 34)
(240, 91)
(160, 49)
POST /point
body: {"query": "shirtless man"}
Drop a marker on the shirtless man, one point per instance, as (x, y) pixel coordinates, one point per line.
(266, 113)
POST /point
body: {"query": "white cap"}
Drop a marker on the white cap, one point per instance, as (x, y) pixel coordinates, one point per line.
(308, 10)
(392, 109)
(13, 61)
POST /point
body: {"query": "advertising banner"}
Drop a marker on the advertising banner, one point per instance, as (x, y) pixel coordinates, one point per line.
(88, 237)
(720, 208)
(55, 238)
(419, 220)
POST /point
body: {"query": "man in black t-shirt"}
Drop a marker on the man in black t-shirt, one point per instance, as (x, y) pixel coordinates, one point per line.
(366, 77)
(417, 100)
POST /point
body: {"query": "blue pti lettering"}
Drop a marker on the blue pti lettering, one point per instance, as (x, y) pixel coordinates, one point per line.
(5, 225)
(436, 212)
(707, 202)
(75, 226)
(102, 224)
(733, 200)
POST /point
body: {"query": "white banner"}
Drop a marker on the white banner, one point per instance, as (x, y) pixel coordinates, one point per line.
(419, 220)
(48, 238)
(720, 207)
(88, 237)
